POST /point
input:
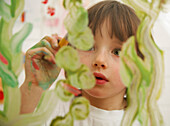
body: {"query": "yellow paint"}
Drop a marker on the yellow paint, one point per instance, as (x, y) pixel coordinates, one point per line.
(63, 42)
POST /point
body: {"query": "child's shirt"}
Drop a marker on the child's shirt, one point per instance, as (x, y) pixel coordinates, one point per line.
(97, 117)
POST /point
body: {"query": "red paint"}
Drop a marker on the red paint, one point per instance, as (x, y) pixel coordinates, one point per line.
(52, 22)
(51, 11)
(34, 56)
(45, 1)
(1, 92)
(34, 64)
(23, 17)
(72, 89)
(3, 59)
(53, 61)
(1, 95)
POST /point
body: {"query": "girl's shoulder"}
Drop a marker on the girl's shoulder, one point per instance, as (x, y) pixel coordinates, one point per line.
(101, 117)
(60, 110)
(97, 117)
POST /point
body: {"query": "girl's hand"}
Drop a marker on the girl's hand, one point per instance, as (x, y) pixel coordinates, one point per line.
(40, 65)
(41, 71)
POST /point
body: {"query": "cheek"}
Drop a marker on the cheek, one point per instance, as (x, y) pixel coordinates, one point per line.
(120, 80)
(84, 58)
(121, 84)
(115, 75)
(116, 82)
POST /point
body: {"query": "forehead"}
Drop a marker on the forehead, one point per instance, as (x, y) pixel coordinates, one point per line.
(102, 35)
(105, 30)
(113, 26)
(121, 20)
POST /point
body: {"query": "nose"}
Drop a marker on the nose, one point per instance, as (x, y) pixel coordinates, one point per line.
(100, 61)
(100, 65)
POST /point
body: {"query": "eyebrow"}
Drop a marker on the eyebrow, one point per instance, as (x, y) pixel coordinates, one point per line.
(117, 41)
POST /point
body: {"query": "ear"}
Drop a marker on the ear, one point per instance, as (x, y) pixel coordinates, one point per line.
(125, 95)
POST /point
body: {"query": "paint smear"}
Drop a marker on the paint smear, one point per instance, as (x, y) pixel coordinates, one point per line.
(1, 93)
(23, 17)
(3, 59)
(34, 64)
(71, 89)
(51, 11)
(29, 85)
(45, 1)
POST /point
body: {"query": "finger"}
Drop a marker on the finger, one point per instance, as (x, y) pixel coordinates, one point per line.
(56, 37)
(41, 53)
(44, 43)
(53, 41)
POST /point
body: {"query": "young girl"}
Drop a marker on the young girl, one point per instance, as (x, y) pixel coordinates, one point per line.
(112, 23)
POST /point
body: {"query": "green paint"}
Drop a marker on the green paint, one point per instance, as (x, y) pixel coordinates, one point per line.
(79, 108)
(29, 85)
(10, 46)
(64, 94)
(67, 120)
(19, 37)
(76, 23)
(13, 7)
(5, 10)
(8, 76)
(145, 81)
(82, 78)
(43, 85)
(66, 57)
(42, 43)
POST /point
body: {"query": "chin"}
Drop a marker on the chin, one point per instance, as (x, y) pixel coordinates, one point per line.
(95, 94)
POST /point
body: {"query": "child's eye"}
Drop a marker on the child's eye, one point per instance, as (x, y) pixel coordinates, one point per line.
(91, 49)
(116, 52)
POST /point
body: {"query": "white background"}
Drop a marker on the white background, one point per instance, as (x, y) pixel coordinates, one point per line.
(37, 15)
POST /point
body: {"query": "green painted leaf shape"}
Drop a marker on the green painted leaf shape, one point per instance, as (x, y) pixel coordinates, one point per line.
(62, 92)
(125, 70)
(13, 7)
(76, 21)
(4, 40)
(19, 37)
(7, 76)
(67, 58)
(79, 108)
(3, 118)
(5, 10)
(83, 78)
(83, 40)
(69, 4)
(17, 63)
(12, 100)
(62, 121)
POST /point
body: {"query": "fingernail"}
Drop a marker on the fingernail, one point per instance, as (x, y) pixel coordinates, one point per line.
(56, 45)
(46, 57)
(53, 61)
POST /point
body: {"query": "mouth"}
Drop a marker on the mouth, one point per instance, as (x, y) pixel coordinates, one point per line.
(100, 78)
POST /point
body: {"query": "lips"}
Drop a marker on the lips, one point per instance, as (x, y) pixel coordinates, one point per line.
(100, 78)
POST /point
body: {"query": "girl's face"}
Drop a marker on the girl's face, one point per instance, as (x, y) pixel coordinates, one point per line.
(103, 60)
